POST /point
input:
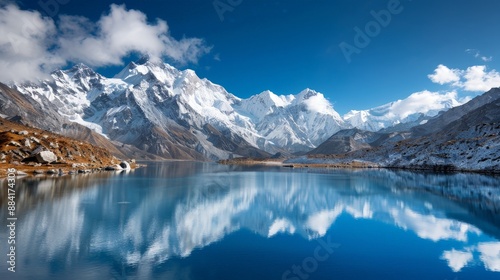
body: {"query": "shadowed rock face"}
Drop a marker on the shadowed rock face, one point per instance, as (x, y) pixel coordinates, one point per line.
(437, 124)
(346, 141)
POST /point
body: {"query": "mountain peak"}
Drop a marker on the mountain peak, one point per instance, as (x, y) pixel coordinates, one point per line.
(306, 94)
(79, 71)
(269, 99)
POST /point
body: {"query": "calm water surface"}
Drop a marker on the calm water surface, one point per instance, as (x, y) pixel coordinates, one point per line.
(205, 221)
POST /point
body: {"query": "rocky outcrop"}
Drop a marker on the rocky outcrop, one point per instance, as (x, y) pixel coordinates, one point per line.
(49, 153)
(46, 157)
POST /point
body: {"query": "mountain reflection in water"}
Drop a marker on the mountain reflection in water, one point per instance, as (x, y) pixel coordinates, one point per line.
(140, 220)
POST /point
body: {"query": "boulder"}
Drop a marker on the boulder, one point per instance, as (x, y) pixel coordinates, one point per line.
(23, 132)
(34, 139)
(125, 165)
(27, 143)
(46, 157)
(14, 143)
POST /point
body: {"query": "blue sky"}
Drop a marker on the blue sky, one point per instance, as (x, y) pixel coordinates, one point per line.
(286, 46)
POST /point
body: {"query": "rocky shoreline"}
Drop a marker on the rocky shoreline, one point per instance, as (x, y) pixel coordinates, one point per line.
(32, 151)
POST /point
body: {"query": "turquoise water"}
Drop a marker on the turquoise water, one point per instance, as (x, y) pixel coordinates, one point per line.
(186, 220)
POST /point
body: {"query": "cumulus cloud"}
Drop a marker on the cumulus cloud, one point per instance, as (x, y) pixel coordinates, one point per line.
(426, 102)
(24, 44)
(35, 45)
(443, 75)
(474, 78)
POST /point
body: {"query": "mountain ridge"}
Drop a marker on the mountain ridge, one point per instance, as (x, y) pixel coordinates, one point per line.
(157, 108)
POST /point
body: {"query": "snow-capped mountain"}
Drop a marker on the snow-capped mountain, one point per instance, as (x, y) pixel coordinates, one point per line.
(297, 122)
(464, 138)
(174, 113)
(411, 111)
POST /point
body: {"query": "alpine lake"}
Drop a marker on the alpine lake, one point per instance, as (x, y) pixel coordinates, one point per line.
(192, 220)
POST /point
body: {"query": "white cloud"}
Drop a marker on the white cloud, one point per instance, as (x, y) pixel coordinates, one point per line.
(457, 259)
(474, 78)
(34, 45)
(444, 75)
(425, 102)
(478, 79)
(26, 38)
(477, 54)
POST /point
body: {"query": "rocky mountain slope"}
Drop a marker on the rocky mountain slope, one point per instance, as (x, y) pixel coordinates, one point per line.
(30, 149)
(464, 138)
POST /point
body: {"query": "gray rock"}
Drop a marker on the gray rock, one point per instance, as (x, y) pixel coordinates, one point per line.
(27, 143)
(46, 157)
(23, 132)
(14, 143)
(2, 156)
(37, 172)
(34, 139)
(52, 172)
(37, 150)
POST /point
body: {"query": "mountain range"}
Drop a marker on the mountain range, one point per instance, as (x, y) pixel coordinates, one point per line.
(466, 137)
(155, 110)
